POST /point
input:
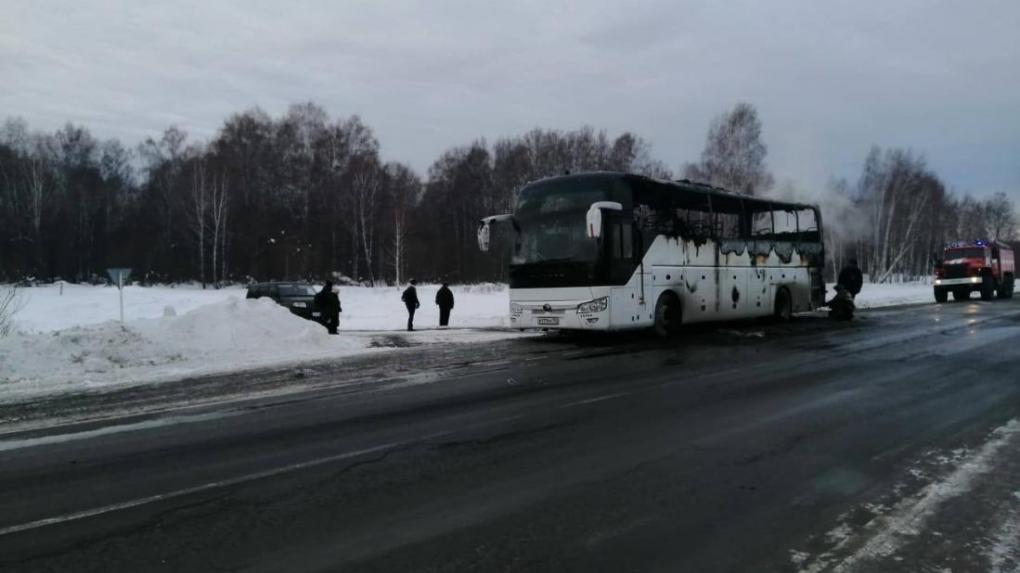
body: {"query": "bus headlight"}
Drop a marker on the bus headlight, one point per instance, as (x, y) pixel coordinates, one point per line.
(597, 305)
(515, 309)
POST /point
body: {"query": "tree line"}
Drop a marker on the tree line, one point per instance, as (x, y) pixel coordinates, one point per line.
(294, 197)
(306, 196)
(893, 219)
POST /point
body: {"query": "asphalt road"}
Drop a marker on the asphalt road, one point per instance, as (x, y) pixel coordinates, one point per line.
(886, 444)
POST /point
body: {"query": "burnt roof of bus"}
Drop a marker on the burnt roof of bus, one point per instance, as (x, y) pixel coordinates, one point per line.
(684, 184)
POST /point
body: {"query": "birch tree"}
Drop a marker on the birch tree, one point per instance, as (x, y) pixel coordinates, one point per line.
(734, 154)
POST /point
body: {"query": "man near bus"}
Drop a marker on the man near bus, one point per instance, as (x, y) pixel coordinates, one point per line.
(841, 307)
(851, 278)
(410, 298)
(444, 300)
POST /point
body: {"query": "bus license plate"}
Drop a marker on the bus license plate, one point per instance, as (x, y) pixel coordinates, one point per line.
(548, 321)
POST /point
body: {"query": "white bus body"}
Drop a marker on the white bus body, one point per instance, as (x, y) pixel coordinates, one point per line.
(709, 278)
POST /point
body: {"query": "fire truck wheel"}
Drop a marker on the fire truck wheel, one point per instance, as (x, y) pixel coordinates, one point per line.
(961, 294)
(987, 290)
(941, 294)
(1005, 289)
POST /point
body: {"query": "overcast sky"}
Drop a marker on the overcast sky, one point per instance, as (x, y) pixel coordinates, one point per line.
(829, 79)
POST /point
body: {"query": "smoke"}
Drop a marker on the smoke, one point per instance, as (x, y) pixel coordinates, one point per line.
(843, 220)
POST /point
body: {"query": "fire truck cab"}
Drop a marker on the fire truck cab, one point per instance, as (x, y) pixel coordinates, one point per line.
(987, 267)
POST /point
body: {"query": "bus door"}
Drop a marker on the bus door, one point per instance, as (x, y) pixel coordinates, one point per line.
(623, 252)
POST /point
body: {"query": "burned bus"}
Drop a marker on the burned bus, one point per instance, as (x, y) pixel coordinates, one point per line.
(615, 251)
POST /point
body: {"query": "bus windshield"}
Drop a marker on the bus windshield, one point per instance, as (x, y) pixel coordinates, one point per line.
(551, 217)
(556, 237)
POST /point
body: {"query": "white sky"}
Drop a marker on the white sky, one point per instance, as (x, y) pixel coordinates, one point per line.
(829, 79)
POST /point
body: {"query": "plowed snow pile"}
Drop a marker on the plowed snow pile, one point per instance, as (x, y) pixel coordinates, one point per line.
(223, 336)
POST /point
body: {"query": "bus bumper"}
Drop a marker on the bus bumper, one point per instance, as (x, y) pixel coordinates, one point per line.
(578, 312)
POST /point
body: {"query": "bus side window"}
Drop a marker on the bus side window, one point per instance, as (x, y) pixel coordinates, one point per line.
(728, 226)
(785, 225)
(807, 226)
(622, 241)
(761, 225)
(626, 241)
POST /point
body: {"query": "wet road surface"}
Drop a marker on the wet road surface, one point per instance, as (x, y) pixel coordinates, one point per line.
(887, 444)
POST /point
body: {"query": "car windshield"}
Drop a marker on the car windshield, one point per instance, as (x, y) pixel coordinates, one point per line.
(297, 290)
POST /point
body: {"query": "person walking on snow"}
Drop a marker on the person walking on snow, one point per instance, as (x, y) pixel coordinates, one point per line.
(410, 298)
(444, 300)
(329, 305)
(851, 278)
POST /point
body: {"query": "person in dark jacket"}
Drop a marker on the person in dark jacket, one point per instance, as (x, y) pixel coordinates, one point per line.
(841, 307)
(851, 278)
(329, 305)
(444, 300)
(410, 298)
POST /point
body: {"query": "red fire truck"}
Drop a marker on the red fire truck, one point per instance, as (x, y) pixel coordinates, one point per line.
(984, 266)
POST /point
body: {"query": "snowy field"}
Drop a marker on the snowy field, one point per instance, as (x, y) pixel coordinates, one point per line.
(71, 341)
(364, 308)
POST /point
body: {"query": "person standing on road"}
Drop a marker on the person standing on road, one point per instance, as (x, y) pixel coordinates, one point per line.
(410, 298)
(851, 278)
(444, 300)
(328, 303)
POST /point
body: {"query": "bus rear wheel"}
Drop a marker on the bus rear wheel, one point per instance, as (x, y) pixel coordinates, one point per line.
(668, 315)
(782, 311)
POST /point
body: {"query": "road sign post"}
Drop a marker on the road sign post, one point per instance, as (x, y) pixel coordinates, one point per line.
(118, 276)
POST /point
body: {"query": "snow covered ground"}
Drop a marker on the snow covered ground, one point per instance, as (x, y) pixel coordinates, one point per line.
(876, 295)
(364, 308)
(70, 341)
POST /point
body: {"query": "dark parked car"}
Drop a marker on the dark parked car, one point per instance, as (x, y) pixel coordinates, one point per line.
(298, 297)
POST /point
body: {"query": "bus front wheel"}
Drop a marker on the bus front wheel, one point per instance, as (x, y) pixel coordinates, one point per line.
(668, 315)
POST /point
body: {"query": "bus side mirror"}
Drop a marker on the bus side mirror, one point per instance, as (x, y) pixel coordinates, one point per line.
(485, 229)
(594, 216)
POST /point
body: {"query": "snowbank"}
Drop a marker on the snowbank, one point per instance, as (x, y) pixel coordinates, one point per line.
(365, 308)
(229, 335)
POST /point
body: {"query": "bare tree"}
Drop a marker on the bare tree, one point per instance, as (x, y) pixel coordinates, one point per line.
(404, 188)
(219, 203)
(11, 302)
(366, 184)
(734, 154)
(1000, 214)
(199, 204)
